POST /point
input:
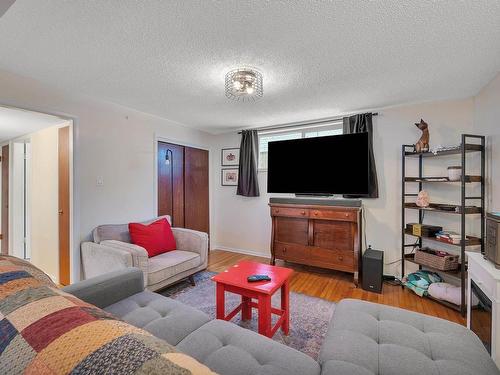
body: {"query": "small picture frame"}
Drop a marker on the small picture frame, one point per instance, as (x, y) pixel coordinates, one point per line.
(230, 157)
(229, 177)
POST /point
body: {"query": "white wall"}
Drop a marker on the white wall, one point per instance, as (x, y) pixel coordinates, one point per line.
(487, 122)
(44, 203)
(110, 141)
(244, 223)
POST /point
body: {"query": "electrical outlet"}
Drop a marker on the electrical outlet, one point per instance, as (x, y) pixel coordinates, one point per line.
(99, 181)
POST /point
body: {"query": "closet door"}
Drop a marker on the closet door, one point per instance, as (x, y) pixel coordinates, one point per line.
(196, 196)
(170, 160)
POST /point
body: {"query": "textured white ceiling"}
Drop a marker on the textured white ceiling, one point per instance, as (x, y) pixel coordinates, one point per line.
(17, 122)
(4, 5)
(318, 58)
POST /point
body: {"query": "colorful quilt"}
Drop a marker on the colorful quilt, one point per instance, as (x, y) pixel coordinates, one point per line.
(44, 330)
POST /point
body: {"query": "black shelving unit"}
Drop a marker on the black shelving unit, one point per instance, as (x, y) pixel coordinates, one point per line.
(476, 145)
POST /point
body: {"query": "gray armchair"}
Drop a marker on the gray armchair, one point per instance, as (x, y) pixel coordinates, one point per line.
(111, 250)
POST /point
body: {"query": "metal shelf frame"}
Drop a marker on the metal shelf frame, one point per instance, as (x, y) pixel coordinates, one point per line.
(470, 144)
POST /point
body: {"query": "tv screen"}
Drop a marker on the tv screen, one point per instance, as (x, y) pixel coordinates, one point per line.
(335, 164)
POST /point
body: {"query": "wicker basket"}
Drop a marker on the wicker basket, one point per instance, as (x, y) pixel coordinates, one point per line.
(444, 263)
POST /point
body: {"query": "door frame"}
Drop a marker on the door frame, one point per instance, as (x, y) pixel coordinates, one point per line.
(63, 135)
(160, 138)
(7, 235)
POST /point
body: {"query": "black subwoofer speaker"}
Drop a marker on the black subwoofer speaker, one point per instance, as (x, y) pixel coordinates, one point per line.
(373, 270)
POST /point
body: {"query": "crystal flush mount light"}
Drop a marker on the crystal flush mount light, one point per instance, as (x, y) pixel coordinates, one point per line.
(244, 84)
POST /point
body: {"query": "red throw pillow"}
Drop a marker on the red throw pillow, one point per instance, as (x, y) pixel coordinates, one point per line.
(157, 237)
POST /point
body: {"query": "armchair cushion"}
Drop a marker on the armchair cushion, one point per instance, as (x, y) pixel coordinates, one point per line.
(166, 265)
(157, 237)
(192, 240)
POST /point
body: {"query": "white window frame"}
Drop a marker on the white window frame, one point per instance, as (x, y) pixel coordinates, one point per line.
(303, 129)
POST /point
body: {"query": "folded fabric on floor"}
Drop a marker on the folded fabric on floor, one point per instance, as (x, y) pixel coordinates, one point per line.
(420, 281)
(445, 292)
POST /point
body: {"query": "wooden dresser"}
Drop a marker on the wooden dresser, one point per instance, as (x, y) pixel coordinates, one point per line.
(317, 235)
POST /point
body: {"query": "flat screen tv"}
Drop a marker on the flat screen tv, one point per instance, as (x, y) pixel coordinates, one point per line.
(335, 164)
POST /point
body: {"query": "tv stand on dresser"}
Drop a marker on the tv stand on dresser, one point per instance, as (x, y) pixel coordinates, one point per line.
(323, 233)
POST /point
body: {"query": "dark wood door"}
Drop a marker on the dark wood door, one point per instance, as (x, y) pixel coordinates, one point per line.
(196, 198)
(5, 200)
(170, 160)
(64, 205)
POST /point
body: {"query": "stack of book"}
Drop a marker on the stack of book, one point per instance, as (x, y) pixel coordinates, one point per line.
(449, 237)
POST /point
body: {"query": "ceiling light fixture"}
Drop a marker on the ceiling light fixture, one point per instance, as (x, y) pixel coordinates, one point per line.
(244, 84)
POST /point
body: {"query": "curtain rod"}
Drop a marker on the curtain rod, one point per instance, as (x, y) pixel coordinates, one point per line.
(300, 123)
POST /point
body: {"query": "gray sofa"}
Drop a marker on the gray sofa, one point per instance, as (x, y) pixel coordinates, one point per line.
(363, 338)
(111, 250)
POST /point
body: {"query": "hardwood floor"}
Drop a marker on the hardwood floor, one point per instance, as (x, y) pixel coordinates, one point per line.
(334, 286)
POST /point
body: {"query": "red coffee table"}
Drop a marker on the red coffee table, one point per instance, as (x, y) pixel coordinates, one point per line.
(234, 280)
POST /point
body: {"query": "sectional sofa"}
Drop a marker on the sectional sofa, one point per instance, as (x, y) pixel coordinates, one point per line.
(363, 338)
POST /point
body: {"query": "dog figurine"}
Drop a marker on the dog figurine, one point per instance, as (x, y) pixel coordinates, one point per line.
(423, 143)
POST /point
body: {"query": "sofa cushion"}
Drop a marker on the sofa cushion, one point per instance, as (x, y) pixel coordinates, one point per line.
(368, 338)
(231, 350)
(163, 317)
(166, 265)
(157, 237)
(118, 232)
(44, 330)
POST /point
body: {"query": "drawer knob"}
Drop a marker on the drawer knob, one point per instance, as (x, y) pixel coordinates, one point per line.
(341, 258)
(303, 212)
(277, 211)
(346, 215)
(316, 213)
(284, 249)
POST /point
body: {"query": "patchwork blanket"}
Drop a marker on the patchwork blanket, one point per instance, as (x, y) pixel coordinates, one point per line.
(44, 330)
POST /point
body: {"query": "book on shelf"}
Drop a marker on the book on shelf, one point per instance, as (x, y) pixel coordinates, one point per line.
(450, 237)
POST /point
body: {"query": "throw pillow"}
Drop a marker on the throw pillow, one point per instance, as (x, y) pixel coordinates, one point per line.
(157, 237)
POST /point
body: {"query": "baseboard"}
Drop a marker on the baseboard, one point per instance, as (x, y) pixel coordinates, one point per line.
(242, 251)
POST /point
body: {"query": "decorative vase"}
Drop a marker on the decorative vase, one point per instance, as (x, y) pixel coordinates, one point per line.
(455, 173)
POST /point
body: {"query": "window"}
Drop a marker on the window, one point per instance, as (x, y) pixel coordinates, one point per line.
(299, 132)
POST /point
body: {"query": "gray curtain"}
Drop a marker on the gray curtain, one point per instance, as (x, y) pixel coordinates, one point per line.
(248, 184)
(362, 123)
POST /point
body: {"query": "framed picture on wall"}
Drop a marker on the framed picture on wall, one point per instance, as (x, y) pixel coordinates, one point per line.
(230, 156)
(229, 177)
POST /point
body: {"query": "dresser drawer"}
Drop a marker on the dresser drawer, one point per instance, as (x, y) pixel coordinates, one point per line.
(290, 252)
(333, 215)
(337, 259)
(291, 212)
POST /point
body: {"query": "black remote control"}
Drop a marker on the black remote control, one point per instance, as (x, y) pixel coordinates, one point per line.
(255, 278)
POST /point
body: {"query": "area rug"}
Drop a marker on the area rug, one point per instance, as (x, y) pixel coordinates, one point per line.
(309, 316)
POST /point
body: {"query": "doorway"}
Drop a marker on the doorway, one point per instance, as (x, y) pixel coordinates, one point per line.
(183, 185)
(36, 192)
